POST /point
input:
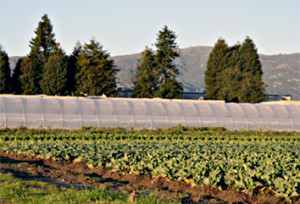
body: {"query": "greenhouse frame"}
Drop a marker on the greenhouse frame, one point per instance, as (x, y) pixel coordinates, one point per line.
(69, 113)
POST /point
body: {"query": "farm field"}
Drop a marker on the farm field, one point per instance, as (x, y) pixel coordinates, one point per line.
(176, 165)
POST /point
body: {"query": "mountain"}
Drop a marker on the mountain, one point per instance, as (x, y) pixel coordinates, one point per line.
(280, 72)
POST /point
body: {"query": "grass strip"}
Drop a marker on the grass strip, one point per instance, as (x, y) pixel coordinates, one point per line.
(15, 190)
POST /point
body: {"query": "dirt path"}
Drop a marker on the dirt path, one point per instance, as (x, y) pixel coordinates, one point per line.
(79, 175)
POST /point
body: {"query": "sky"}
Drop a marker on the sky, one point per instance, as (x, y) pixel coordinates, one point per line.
(128, 26)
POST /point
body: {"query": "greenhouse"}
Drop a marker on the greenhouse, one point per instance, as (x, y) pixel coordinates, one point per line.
(68, 113)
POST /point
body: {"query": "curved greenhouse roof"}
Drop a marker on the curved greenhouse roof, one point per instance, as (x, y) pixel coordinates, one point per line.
(35, 112)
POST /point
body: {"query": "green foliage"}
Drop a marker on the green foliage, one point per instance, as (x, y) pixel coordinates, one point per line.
(234, 74)
(96, 72)
(252, 88)
(173, 134)
(146, 76)
(5, 79)
(168, 86)
(54, 75)
(188, 133)
(280, 71)
(216, 64)
(16, 81)
(72, 69)
(30, 77)
(246, 165)
(41, 47)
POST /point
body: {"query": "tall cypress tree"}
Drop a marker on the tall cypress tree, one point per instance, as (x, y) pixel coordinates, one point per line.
(5, 79)
(41, 47)
(54, 74)
(96, 72)
(217, 62)
(234, 74)
(146, 76)
(230, 77)
(166, 53)
(72, 69)
(16, 82)
(252, 87)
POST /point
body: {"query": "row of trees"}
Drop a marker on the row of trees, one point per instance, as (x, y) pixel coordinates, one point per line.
(48, 70)
(234, 74)
(156, 73)
(88, 70)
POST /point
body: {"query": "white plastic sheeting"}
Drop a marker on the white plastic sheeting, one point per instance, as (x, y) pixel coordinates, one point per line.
(35, 112)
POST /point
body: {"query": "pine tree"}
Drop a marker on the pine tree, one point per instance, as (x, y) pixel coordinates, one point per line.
(41, 47)
(166, 53)
(72, 69)
(5, 79)
(54, 74)
(96, 72)
(146, 76)
(252, 87)
(16, 82)
(217, 62)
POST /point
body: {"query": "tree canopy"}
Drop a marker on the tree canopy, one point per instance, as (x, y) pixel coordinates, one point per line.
(96, 72)
(146, 76)
(5, 79)
(72, 69)
(234, 74)
(40, 48)
(54, 74)
(17, 85)
(168, 86)
(217, 63)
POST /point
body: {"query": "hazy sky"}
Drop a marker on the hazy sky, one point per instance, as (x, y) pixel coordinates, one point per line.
(127, 26)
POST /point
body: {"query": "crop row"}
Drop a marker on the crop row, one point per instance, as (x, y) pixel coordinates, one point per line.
(133, 136)
(244, 165)
(178, 130)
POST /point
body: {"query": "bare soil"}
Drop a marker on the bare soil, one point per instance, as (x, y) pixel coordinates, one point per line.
(79, 175)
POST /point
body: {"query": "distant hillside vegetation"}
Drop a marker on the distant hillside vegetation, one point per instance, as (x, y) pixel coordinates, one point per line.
(281, 72)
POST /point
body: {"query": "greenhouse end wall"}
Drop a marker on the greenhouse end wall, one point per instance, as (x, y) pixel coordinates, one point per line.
(36, 112)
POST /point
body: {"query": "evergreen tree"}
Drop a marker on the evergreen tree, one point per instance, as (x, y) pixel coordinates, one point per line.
(41, 47)
(234, 74)
(28, 77)
(252, 87)
(217, 62)
(166, 53)
(230, 77)
(72, 67)
(96, 72)
(146, 76)
(54, 74)
(16, 82)
(5, 79)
